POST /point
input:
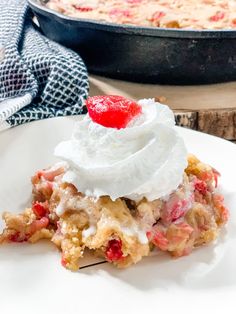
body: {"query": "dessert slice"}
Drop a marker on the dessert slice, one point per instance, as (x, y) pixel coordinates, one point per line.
(126, 186)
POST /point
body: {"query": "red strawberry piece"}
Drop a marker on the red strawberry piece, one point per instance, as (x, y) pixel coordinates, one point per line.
(134, 1)
(50, 174)
(39, 224)
(39, 174)
(114, 250)
(218, 200)
(157, 16)
(63, 261)
(119, 13)
(112, 111)
(40, 209)
(81, 8)
(206, 176)
(224, 214)
(158, 238)
(234, 22)
(179, 209)
(185, 228)
(175, 208)
(217, 17)
(201, 187)
(18, 237)
(181, 232)
(224, 5)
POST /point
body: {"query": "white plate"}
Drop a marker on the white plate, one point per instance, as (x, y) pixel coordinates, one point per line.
(33, 281)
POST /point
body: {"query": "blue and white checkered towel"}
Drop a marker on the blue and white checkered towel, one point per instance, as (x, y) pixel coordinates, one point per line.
(38, 78)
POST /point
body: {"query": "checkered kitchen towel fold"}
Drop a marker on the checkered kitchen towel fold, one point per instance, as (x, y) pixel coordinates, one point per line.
(38, 78)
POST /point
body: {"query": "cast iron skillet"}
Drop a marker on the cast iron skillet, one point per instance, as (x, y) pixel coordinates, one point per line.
(144, 54)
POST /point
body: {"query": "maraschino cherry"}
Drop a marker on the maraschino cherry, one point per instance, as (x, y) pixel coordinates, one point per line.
(112, 111)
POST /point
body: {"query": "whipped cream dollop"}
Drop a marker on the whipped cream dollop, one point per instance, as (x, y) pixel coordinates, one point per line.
(145, 159)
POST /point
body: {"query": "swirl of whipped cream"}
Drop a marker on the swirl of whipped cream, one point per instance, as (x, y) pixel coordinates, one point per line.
(145, 159)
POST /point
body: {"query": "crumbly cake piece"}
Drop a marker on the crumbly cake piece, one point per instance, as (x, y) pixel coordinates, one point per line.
(121, 231)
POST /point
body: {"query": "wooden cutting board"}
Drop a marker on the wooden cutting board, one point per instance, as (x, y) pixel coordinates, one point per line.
(206, 108)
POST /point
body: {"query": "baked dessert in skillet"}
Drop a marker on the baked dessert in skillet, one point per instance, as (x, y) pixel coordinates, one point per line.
(187, 14)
